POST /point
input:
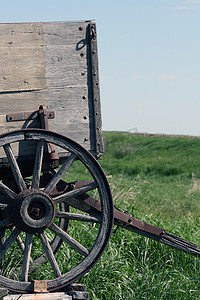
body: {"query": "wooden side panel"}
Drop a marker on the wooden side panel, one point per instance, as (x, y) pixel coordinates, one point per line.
(48, 64)
(22, 58)
(17, 77)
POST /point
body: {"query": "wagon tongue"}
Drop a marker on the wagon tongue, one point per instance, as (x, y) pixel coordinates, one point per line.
(123, 220)
(92, 206)
(160, 235)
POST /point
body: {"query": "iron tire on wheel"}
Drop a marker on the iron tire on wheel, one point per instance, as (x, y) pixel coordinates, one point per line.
(32, 211)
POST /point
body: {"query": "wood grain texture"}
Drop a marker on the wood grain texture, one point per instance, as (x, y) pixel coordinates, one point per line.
(49, 252)
(26, 257)
(21, 75)
(15, 168)
(48, 64)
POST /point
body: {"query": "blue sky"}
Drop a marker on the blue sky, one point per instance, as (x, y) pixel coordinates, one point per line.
(148, 54)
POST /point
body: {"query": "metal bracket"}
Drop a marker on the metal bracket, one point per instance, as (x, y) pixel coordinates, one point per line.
(23, 116)
(43, 115)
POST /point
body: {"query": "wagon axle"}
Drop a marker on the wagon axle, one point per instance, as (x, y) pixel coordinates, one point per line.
(33, 211)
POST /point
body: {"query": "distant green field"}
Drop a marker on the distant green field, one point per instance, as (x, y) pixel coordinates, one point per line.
(163, 173)
(157, 179)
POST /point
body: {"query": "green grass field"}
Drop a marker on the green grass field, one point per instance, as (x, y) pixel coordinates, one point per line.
(157, 179)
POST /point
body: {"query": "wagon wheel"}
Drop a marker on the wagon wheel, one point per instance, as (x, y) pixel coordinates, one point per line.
(33, 214)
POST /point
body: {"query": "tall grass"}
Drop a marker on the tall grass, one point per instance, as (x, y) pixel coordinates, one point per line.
(158, 181)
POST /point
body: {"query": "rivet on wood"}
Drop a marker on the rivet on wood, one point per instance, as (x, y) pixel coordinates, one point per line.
(97, 113)
(82, 54)
(80, 28)
(95, 74)
(82, 73)
(86, 139)
(93, 52)
(84, 97)
(98, 128)
(95, 99)
(85, 117)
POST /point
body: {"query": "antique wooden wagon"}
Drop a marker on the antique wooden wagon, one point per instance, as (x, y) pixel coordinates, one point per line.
(50, 82)
(50, 125)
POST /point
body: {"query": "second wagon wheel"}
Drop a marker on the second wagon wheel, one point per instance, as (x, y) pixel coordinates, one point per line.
(33, 215)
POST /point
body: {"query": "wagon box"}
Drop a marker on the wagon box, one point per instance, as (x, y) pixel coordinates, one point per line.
(55, 65)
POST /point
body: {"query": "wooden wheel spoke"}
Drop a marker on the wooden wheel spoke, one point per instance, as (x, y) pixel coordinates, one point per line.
(6, 222)
(78, 217)
(76, 192)
(20, 243)
(69, 240)
(67, 164)
(47, 247)
(6, 191)
(2, 240)
(2, 237)
(26, 257)
(38, 164)
(14, 167)
(9, 241)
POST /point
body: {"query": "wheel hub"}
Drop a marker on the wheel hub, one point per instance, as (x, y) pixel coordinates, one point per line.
(33, 211)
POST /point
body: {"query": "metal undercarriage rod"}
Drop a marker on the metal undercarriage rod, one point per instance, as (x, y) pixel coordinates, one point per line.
(92, 206)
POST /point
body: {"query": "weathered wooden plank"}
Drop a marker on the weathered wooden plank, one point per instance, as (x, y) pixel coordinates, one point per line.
(43, 296)
(71, 115)
(48, 64)
(65, 33)
(66, 55)
(21, 34)
(55, 33)
(22, 69)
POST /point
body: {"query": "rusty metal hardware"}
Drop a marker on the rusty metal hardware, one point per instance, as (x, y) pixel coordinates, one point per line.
(93, 33)
(43, 115)
(23, 116)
